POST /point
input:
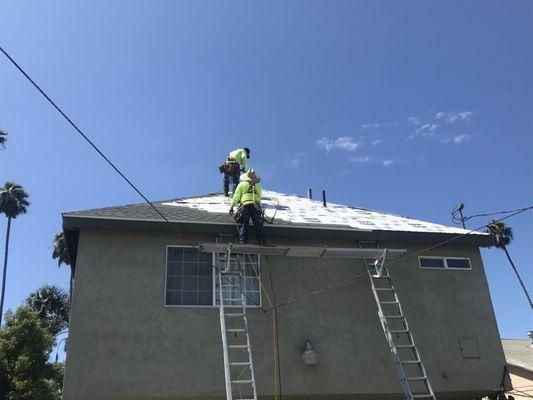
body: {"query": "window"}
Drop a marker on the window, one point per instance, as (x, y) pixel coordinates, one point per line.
(445, 262)
(191, 279)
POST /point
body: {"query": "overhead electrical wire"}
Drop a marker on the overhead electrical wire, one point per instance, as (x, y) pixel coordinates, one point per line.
(497, 213)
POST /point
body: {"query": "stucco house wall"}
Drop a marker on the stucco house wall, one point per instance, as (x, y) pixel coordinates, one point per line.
(125, 344)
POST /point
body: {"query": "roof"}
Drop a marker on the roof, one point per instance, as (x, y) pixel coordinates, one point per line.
(518, 353)
(291, 211)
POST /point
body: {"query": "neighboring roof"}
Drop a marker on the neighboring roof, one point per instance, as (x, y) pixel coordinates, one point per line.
(292, 211)
(518, 353)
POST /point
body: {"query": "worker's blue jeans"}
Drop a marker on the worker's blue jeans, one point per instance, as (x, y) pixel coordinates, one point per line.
(227, 179)
(246, 213)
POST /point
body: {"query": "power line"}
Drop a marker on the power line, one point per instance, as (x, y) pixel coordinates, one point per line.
(498, 213)
(91, 143)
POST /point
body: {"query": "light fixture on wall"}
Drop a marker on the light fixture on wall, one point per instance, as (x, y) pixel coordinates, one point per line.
(309, 356)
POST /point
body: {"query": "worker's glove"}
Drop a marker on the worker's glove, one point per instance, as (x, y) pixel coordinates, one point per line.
(231, 212)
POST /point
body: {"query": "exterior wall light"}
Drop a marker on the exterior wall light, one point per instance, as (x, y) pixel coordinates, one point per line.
(309, 356)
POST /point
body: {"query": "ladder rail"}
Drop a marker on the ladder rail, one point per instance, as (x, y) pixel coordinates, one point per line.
(240, 378)
(225, 351)
(378, 270)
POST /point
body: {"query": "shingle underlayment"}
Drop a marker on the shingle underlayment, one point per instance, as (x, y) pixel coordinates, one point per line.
(300, 211)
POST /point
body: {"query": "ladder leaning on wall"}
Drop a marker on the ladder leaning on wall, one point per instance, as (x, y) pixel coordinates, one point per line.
(409, 367)
(236, 346)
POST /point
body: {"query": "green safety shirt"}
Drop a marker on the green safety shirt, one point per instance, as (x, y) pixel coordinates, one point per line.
(239, 155)
(247, 193)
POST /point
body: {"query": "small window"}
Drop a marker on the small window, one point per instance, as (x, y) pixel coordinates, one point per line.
(458, 263)
(431, 262)
(445, 262)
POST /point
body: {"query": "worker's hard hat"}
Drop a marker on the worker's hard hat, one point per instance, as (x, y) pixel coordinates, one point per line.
(247, 150)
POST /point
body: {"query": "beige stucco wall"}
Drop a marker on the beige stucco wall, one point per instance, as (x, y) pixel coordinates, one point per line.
(124, 344)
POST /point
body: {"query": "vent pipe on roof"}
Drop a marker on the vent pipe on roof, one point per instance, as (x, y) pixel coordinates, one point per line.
(530, 334)
(310, 193)
(324, 198)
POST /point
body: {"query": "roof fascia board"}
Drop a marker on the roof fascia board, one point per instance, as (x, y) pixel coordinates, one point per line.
(73, 222)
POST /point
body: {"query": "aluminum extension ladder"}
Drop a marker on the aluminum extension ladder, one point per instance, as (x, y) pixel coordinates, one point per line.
(237, 349)
(409, 367)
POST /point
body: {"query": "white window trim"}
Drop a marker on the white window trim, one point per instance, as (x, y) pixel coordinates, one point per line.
(213, 305)
(444, 258)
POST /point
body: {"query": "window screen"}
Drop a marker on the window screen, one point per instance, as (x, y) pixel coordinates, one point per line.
(462, 263)
(427, 262)
(233, 284)
(189, 277)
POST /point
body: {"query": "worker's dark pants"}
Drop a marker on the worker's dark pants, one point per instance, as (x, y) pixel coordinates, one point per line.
(233, 179)
(250, 212)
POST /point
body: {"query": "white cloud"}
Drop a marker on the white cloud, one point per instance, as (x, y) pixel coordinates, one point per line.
(376, 142)
(361, 159)
(346, 143)
(460, 138)
(457, 139)
(427, 129)
(374, 125)
(451, 117)
(296, 159)
(413, 121)
(372, 160)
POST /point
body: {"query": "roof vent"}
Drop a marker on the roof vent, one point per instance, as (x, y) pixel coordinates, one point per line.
(530, 334)
(310, 194)
(324, 198)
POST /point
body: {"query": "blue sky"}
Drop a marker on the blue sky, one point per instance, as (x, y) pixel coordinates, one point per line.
(407, 107)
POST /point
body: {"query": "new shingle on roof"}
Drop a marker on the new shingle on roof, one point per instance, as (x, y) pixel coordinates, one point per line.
(292, 210)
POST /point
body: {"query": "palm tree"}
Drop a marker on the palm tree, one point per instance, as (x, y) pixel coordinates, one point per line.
(51, 303)
(503, 235)
(13, 202)
(60, 253)
(3, 139)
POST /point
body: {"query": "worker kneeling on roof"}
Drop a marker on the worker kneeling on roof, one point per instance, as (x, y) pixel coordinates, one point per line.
(248, 198)
(232, 168)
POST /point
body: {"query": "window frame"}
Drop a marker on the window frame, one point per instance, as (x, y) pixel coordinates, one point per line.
(445, 263)
(213, 277)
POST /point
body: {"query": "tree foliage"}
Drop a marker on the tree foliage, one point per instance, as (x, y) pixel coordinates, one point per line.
(25, 347)
(60, 251)
(13, 200)
(500, 232)
(51, 304)
(3, 139)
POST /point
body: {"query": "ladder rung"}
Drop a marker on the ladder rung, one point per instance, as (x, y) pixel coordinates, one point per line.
(239, 299)
(393, 316)
(242, 381)
(237, 346)
(380, 276)
(400, 331)
(417, 378)
(423, 396)
(411, 362)
(405, 346)
(239, 363)
(384, 289)
(235, 330)
(388, 302)
(234, 315)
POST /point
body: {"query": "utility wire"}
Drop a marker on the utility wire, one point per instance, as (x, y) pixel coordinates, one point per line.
(498, 212)
(81, 133)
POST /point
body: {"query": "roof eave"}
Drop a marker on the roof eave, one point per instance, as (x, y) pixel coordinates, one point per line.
(76, 222)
